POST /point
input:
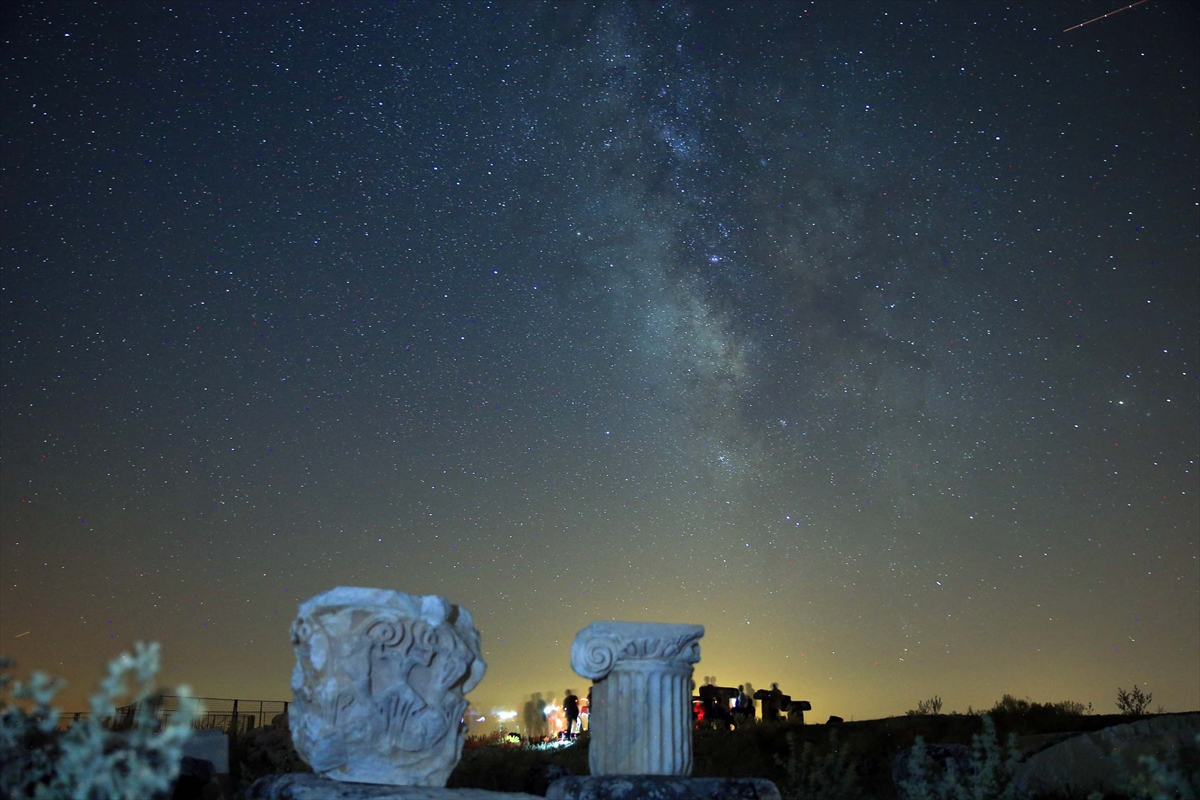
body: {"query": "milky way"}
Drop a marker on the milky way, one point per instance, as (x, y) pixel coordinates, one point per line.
(863, 334)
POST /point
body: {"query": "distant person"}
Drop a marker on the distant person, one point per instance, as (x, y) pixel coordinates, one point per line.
(529, 716)
(707, 700)
(774, 704)
(744, 705)
(571, 708)
(535, 718)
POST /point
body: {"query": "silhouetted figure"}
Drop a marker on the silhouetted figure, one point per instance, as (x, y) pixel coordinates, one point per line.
(743, 707)
(714, 705)
(772, 702)
(534, 717)
(707, 700)
(571, 709)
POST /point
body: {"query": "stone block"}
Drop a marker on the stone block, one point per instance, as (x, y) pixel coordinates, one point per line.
(209, 745)
(306, 786)
(379, 685)
(661, 787)
(1103, 760)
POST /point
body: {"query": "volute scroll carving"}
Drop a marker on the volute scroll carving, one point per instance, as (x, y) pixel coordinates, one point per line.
(379, 685)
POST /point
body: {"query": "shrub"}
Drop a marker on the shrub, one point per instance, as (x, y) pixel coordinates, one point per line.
(266, 750)
(925, 707)
(504, 767)
(1133, 703)
(87, 761)
(1011, 706)
(987, 775)
(1026, 716)
(1072, 708)
(1177, 775)
(811, 775)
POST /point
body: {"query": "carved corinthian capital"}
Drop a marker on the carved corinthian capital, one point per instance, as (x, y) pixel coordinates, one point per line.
(641, 712)
(378, 685)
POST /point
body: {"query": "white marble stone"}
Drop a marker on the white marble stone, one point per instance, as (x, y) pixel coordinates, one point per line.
(641, 712)
(378, 685)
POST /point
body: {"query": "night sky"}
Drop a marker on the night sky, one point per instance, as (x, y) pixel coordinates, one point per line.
(866, 335)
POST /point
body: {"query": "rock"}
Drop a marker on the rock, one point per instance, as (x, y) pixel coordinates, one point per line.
(197, 780)
(379, 685)
(542, 774)
(796, 709)
(313, 787)
(211, 745)
(1104, 760)
(774, 701)
(661, 787)
(268, 751)
(641, 710)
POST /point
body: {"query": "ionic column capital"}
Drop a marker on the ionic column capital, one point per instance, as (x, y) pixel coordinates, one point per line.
(603, 646)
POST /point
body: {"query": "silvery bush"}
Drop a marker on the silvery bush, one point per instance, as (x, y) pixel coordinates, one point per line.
(88, 761)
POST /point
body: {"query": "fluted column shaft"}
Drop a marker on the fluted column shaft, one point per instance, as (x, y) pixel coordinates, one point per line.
(641, 714)
(642, 722)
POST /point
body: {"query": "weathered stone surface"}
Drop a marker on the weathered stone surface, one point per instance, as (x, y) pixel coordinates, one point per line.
(378, 685)
(307, 786)
(1104, 760)
(661, 787)
(209, 745)
(641, 712)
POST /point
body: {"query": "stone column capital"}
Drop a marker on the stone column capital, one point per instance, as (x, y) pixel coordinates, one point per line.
(379, 685)
(641, 721)
(602, 646)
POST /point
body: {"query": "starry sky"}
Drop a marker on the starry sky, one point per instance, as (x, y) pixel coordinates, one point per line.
(863, 334)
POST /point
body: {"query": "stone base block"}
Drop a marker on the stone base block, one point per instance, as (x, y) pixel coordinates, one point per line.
(306, 786)
(660, 787)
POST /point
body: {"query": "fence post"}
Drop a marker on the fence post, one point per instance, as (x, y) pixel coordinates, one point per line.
(235, 766)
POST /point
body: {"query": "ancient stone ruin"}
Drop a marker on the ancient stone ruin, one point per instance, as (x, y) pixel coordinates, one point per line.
(379, 685)
(641, 715)
(378, 701)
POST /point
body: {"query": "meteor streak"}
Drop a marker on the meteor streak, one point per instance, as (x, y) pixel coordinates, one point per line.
(1103, 16)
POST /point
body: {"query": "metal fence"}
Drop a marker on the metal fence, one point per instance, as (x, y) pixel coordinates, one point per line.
(234, 717)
